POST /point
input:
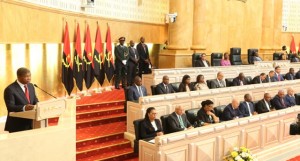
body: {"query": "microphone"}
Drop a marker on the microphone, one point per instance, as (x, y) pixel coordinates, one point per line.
(44, 91)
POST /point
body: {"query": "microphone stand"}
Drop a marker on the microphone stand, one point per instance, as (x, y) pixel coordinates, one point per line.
(44, 91)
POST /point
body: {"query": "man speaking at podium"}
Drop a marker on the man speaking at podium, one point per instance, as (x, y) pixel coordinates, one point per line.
(19, 96)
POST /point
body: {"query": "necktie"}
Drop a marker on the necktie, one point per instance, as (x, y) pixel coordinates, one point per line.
(221, 83)
(278, 76)
(27, 93)
(241, 83)
(250, 114)
(282, 102)
(292, 76)
(268, 105)
(181, 122)
(141, 92)
(167, 89)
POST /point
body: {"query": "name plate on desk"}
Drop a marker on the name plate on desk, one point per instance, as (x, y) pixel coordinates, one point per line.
(50, 108)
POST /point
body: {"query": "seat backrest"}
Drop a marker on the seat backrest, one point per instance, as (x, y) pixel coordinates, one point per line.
(276, 56)
(208, 82)
(250, 55)
(229, 82)
(195, 56)
(248, 79)
(164, 122)
(191, 115)
(153, 89)
(216, 58)
(297, 98)
(175, 86)
(235, 56)
(137, 128)
(219, 110)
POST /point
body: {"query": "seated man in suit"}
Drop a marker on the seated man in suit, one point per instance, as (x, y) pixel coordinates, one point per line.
(136, 90)
(151, 126)
(247, 107)
(256, 57)
(202, 62)
(295, 58)
(278, 101)
(177, 121)
(271, 77)
(290, 98)
(278, 77)
(290, 75)
(260, 79)
(264, 105)
(232, 111)
(219, 82)
(164, 87)
(239, 81)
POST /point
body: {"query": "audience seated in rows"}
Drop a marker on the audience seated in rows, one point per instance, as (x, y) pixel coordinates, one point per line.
(150, 127)
(219, 82)
(226, 60)
(185, 85)
(240, 80)
(200, 83)
(232, 111)
(260, 79)
(164, 87)
(177, 121)
(278, 77)
(290, 98)
(290, 75)
(247, 107)
(206, 114)
(202, 62)
(136, 90)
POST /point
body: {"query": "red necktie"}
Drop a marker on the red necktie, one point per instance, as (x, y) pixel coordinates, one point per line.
(278, 76)
(27, 93)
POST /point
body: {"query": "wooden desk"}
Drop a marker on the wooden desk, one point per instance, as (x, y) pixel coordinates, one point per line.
(266, 135)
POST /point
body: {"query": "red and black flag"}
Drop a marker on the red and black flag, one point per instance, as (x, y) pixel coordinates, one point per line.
(77, 62)
(99, 58)
(109, 61)
(67, 75)
(88, 60)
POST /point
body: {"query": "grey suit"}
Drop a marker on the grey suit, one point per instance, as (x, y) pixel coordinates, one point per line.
(161, 89)
(215, 84)
(121, 53)
(132, 64)
(15, 100)
(174, 125)
(134, 94)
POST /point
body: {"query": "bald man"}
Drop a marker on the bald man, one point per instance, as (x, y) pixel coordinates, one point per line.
(264, 105)
(278, 101)
(164, 87)
(289, 98)
(232, 111)
(219, 82)
(177, 121)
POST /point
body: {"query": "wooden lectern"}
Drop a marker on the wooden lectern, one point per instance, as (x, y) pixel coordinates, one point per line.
(42, 112)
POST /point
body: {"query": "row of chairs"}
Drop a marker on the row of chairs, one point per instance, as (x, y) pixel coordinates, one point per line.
(235, 57)
(208, 82)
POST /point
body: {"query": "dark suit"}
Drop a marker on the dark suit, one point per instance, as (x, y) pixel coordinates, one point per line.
(121, 53)
(161, 89)
(174, 125)
(229, 113)
(132, 64)
(289, 100)
(244, 108)
(144, 54)
(297, 75)
(277, 103)
(199, 63)
(134, 94)
(237, 82)
(257, 80)
(15, 100)
(215, 84)
(261, 107)
(272, 79)
(280, 77)
(147, 130)
(290, 76)
(182, 87)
